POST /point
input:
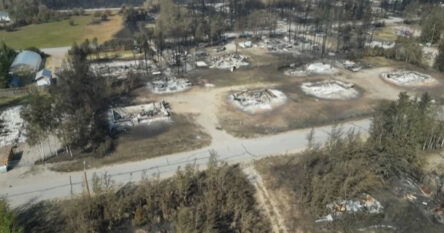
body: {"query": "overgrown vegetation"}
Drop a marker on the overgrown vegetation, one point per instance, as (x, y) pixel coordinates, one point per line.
(7, 219)
(347, 166)
(7, 56)
(439, 63)
(72, 110)
(219, 199)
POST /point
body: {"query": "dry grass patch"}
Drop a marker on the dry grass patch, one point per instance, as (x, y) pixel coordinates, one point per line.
(138, 144)
(300, 111)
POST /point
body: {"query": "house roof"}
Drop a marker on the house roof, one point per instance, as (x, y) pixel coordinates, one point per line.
(4, 14)
(5, 155)
(45, 73)
(31, 60)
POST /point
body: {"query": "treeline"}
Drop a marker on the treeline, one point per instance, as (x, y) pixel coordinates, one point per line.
(217, 200)
(24, 12)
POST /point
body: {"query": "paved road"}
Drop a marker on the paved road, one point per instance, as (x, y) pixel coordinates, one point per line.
(49, 185)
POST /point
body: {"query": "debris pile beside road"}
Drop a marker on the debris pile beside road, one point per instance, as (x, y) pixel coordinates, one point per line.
(253, 101)
(122, 119)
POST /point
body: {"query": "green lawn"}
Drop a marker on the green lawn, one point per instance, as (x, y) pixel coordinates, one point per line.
(61, 33)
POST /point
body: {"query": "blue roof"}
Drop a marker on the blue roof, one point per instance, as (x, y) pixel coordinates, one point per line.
(43, 73)
(28, 59)
(4, 14)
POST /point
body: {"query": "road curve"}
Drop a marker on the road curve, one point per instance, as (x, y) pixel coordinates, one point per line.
(50, 185)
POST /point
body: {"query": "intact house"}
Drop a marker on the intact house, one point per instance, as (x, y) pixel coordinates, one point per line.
(43, 78)
(24, 67)
(6, 155)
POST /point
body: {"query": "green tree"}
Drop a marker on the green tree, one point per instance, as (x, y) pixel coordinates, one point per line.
(433, 26)
(439, 63)
(7, 56)
(7, 219)
(80, 100)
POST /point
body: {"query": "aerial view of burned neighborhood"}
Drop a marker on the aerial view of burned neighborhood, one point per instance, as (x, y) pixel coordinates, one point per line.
(222, 116)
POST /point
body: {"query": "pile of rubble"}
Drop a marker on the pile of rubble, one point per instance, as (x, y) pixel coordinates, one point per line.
(121, 69)
(311, 69)
(380, 44)
(423, 195)
(231, 62)
(409, 78)
(126, 117)
(350, 65)
(12, 129)
(253, 101)
(365, 204)
(330, 89)
(169, 85)
(284, 45)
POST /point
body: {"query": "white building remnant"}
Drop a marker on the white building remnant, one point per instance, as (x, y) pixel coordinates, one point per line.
(366, 204)
(126, 117)
(330, 89)
(169, 85)
(380, 44)
(253, 101)
(351, 66)
(43, 78)
(246, 44)
(318, 68)
(121, 69)
(201, 64)
(409, 78)
(229, 62)
(12, 131)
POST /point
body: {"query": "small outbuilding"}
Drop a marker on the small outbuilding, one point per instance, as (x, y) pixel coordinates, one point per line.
(6, 155)
(43, 78)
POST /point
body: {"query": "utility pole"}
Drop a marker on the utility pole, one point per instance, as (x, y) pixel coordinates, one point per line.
(70, 184)
(86, 178)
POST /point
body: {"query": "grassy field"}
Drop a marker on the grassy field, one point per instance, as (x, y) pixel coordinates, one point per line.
(61, 33)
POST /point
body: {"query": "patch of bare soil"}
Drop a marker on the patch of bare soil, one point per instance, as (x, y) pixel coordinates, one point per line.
(269, 203)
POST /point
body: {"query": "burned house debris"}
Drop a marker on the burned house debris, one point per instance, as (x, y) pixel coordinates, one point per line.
(317, 68)
(169, 85)
(330, 89)
(121, 69)
(253, 101)
(231, 62)
(124, 118)
(364, 204)
(409, 78)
